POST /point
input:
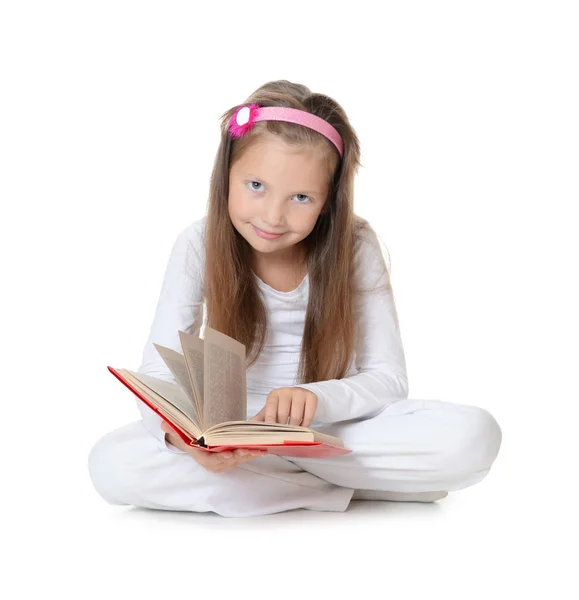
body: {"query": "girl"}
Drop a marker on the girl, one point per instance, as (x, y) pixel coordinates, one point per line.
(284, 266)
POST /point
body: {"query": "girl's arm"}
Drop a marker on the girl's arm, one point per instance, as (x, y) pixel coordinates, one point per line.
(179, 308)
(381, 377)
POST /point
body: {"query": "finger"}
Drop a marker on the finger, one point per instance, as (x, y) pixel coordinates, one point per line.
(309, 413)
(258, 416)
(259, 452)
(229, 464)
(219, 469)
(297, 410)
(284, 407)
(271, 407)
(250, 456)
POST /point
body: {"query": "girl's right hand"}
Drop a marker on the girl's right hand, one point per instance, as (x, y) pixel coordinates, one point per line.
(216, 462)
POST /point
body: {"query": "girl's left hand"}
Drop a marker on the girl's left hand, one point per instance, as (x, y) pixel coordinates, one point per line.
(297, 403)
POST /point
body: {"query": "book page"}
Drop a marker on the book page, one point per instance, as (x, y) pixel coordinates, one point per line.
(176, 363)
(178, 366)
(167, 407)
(257, 426)
(170, 391)
(225, 379)
(194, 352)
(259, 431)
(263, 438)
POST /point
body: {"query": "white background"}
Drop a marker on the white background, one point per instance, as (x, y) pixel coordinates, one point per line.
(468, 121)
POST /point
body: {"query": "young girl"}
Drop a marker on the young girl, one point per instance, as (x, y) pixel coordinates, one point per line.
(283, 265)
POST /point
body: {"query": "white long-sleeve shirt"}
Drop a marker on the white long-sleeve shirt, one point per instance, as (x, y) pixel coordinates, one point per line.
(377, 373)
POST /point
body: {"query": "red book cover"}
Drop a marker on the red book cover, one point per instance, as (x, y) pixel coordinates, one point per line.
(298, 449)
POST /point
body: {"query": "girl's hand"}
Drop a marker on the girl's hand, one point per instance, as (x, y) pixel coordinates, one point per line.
(216, 462)
(297, 403)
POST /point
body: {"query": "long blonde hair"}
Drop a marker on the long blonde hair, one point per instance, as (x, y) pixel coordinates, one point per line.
(233, 301)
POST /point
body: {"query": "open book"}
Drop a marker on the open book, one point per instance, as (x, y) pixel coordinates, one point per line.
(207, 405)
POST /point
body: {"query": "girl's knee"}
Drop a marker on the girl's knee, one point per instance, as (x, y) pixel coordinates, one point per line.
(103, 467)
(476, 442)
(116, 462)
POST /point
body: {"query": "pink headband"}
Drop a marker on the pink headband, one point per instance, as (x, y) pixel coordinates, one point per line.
(245, 116)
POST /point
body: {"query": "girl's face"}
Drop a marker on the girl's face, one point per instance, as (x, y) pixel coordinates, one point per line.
(279, 189)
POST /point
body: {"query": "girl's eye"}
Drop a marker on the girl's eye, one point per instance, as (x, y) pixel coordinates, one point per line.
(255, 189)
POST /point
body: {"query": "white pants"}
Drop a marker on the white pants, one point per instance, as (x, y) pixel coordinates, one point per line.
(411, 446)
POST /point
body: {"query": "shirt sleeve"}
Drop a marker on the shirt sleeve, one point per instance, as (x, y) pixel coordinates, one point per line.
(179, 308)
(381, 377)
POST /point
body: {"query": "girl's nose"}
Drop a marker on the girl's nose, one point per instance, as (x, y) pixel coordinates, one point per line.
(274, 217)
